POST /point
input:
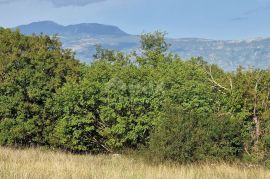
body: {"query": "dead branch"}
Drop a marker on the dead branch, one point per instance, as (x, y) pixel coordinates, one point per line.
(215, 82)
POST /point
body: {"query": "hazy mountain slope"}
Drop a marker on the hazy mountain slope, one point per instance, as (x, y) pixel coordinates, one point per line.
(50, 28)
(82, 38)
(227, 54)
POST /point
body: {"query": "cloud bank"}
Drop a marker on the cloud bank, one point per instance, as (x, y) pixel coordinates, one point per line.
(60, 3)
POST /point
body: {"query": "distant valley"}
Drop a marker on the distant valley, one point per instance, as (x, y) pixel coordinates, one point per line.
(82, 38)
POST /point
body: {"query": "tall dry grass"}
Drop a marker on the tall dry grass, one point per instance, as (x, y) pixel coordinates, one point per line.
(38, 163)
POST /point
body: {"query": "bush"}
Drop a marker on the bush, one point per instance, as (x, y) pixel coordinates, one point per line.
(74, 122)
(187, 136)
(122, 110)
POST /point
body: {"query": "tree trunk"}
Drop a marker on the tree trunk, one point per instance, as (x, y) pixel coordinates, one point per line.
(256, 120)
(257, 133)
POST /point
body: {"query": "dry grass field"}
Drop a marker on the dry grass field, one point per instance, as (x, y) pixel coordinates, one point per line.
(39, 164)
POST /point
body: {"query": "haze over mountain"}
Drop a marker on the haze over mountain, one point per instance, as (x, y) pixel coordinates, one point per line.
(50, 28)
(82, 38)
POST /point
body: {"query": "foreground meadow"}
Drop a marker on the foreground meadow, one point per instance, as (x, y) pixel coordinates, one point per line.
(38, 163)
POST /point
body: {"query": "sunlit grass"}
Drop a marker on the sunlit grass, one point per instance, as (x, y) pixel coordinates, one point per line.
(38, 163)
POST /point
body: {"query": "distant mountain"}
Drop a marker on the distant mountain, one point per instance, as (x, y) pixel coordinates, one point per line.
(228, 54)
(50, 28)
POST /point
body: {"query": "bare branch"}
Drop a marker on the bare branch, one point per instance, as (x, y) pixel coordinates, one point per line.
(103, 146)
(231, 84)
(214, 81)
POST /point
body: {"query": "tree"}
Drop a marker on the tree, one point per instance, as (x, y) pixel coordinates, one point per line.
(153, 47)
(33, 68)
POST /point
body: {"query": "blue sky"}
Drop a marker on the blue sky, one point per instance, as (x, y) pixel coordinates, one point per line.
(214, 19)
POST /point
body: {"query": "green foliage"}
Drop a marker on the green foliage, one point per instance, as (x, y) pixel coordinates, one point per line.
(33, 68)
(182, 110)
(154, 42)
(74, 123)
(187, 136)
(130, 109)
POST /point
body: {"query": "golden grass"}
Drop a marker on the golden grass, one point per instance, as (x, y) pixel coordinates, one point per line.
(38, 163)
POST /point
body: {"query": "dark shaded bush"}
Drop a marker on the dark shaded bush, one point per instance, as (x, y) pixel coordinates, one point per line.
(187, 136)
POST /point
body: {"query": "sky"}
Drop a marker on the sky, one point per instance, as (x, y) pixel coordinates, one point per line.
(211, 19)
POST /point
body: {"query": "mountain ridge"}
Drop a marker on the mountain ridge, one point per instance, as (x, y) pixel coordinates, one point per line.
(50, 28)
(83, 37)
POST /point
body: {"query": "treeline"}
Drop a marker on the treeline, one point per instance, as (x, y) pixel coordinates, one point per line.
(180, 110)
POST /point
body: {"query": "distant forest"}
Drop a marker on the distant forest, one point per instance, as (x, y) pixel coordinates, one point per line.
(151, 101)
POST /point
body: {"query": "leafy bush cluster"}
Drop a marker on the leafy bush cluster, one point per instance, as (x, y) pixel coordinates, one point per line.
(178, 110)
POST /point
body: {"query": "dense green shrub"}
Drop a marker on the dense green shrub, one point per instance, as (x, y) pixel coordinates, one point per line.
(74, 118)
(187, 136)
(32, 69)
(129, 111)
(123, 105)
